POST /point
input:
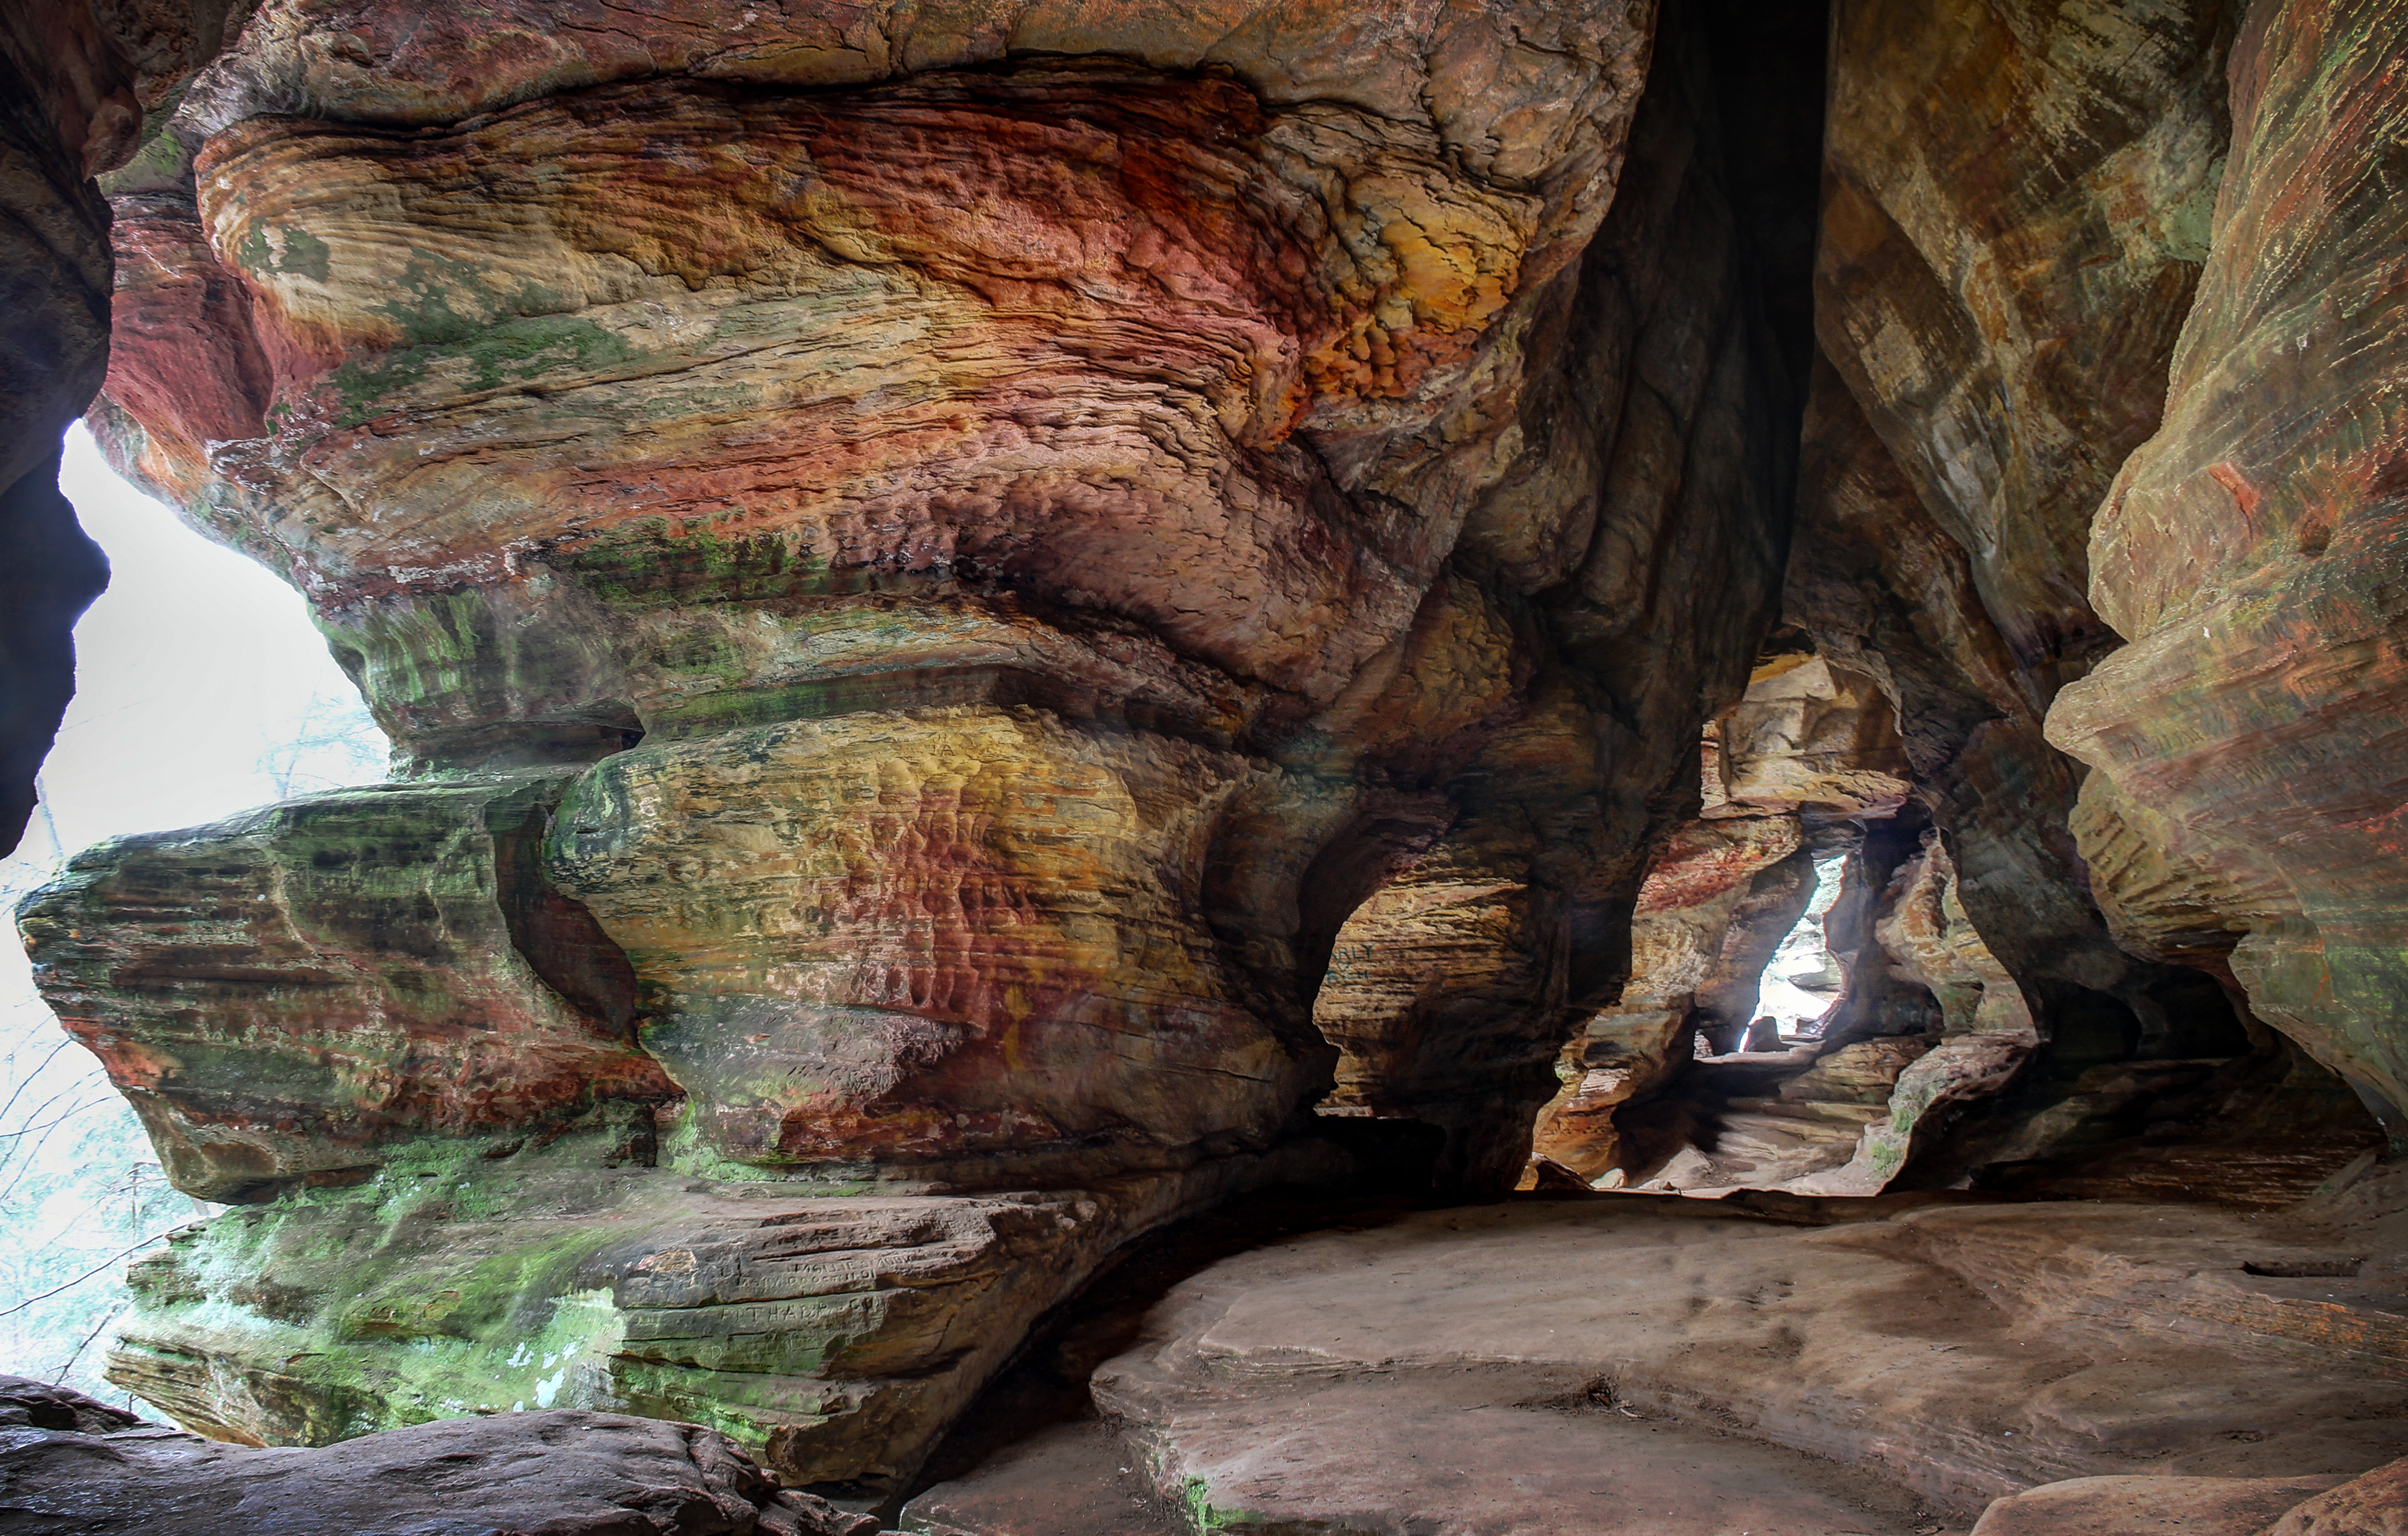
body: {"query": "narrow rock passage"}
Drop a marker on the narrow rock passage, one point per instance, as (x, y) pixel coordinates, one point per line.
(1003, 623)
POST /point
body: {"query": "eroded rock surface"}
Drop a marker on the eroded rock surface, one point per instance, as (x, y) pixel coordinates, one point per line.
(2374, 1504)
(2247, 789)
(930, 579)
(984, 609)
(837, 1332)
(1475, 1365)
(73, 1465)
(2017, 215)
(1798, 776)
(1686, 911)
(1998, 295)
(283, 995)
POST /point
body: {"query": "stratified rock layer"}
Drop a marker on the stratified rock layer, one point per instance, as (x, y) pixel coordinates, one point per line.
(984, 609)
(858, 933)
(2017, 207)
(77, 1465)
(1809, 756)
(281, 996)
(833, 1332)
(2250, 773)
(935, 580)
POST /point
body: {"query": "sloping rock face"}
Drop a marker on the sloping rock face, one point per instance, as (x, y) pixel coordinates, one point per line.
(2016, 213)
(1634, 1363)
(836, 1333)
(2023, 205)
(2245, 803)
(930, 579)
(78, 1465)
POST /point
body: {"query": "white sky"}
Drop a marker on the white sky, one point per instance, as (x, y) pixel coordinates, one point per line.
(191, 670)
(1801, 949)
(195, 662)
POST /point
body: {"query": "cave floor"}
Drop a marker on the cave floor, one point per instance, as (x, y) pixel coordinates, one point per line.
(1648, 1363)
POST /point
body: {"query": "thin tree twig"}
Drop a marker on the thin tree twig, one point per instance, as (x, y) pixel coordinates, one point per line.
(61, 1378)
(44, 1106)
(62, 1118)
(75, 1223)
(25, 1082)
(28, 1160)
(87, 1274)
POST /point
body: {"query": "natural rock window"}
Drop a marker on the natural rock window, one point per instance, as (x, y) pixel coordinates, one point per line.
(1801, 980)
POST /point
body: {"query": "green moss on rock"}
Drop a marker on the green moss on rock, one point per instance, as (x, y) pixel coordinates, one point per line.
(510, 352)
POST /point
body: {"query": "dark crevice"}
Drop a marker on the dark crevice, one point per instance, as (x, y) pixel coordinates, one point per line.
(1048, 1382)
(51, 574)
(561, 941)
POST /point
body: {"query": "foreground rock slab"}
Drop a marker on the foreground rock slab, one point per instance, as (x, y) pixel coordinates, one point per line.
(2375, 1504)
(1074, 1479)
(2146, 1506)
(71, 1465)
(1392, 1453)
(1557, 1365)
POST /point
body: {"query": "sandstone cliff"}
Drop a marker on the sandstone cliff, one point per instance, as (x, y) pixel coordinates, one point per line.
(2248, 769)
(926, 577)
(1001, 621)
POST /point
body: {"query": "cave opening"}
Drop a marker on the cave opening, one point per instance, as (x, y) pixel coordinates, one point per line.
(1800, 984)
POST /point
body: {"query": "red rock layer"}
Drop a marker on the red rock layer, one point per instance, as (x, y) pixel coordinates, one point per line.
(2249, 766)
(982, 541)
(281, 996)
(1079, 454)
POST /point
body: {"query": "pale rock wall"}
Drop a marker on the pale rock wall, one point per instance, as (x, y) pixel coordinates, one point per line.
(2248, 773)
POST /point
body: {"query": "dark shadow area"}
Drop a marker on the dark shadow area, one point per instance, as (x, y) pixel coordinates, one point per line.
(2259, 1129)
(1047, 1385)
(51, 574)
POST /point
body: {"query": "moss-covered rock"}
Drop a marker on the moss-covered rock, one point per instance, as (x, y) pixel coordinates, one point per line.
(831, 1334)
(283, 994)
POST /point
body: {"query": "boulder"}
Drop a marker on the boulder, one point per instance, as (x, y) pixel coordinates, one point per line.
(76, 1466)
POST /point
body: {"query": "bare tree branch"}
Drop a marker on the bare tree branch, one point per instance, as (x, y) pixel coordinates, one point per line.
(27, 1080)
(110, 1316)
(78, 1280)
